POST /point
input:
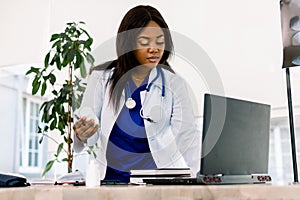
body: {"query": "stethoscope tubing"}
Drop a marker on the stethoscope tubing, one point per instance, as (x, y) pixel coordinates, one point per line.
(130, 103)
(163, 92)
(159, 72)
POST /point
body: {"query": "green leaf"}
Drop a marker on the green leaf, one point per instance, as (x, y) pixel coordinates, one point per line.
(65, 139)
(44, 104)
(49, 104)
(48, 167)
(94, 154)
(58, 62)
(67, 46)
(53, 124)
(80, 42)
(85, 32)
(82, 69)
(53, 60)
(71, 55)
(90, 58)
(57, 44)
(41, 140)
(60, 108)
(52, 79)
(63, 36)
(43, 117)
(65, 62)
(59, 148)
(35, 85)
(54, 92)
(71, 23)
(72, 29)
(46, 61)
(79, 59)
(44, 87)
(78, 33)
(64, 160)
(39, 129)
(33, 70)
(88, 43)
(60, 126)
(47, 117)
(54, 37)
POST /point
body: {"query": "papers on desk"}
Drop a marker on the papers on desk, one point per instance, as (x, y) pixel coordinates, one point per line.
(137, 176)
(42, 182)
(73, 178)
(161, 172)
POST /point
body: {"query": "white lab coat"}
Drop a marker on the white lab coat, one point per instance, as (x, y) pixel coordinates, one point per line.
(173, 137)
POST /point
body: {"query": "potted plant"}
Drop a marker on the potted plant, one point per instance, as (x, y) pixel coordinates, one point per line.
(70, 51)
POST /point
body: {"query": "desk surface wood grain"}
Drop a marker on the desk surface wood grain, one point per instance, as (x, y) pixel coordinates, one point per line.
(224, 192)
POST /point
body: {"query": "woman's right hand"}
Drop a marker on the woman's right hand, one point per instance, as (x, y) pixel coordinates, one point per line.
(84, 128)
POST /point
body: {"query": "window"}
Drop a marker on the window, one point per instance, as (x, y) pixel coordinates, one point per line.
(30, 151)
(280, 155)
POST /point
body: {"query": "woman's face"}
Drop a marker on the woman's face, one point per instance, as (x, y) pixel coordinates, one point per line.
(150, 45)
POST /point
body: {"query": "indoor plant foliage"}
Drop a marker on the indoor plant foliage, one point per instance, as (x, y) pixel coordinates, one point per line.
(70, 49)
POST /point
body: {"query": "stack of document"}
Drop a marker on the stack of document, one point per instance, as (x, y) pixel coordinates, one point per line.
(73, 178)
(137, 176)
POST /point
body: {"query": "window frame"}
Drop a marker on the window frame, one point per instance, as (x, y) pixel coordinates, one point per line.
(23, 148)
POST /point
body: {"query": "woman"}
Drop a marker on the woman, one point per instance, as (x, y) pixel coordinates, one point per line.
(136, 107)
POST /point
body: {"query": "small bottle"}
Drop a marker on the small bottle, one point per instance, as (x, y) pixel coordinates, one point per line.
(92, 174)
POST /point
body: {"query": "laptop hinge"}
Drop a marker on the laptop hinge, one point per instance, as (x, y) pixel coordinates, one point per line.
(234, 179)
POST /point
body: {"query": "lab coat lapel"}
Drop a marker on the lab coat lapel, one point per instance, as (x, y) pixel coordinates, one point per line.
(109, 117)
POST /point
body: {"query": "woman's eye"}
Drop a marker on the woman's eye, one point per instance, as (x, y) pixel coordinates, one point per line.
(144, 44)
(160, 43)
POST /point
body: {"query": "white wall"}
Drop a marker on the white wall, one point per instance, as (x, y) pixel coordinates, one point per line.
(24, 30)
(241, 37)
(8, 126)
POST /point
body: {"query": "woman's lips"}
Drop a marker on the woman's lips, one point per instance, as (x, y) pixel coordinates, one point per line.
(153, 59)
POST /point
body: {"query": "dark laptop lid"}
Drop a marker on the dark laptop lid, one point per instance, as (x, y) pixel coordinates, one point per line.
(241, 145)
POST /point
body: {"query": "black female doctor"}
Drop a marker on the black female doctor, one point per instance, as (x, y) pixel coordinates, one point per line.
(135, 107)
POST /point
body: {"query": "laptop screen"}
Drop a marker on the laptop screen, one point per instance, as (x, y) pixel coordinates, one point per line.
(235, 139)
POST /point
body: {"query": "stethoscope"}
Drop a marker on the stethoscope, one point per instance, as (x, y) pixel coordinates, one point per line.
(130, 102)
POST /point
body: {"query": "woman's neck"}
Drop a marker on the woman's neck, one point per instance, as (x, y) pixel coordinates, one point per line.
(139, 74)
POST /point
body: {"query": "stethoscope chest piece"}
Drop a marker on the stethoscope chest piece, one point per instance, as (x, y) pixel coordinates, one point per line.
(130, 103)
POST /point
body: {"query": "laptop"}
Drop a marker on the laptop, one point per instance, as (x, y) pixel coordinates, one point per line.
(235, 143)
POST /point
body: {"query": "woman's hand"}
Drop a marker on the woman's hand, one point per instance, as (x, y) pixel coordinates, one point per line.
(84, 128)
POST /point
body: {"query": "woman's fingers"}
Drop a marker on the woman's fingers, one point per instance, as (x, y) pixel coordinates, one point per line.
(85, 128)
(81, 121)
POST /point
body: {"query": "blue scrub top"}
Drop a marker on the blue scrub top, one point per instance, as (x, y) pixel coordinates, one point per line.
(128, 146)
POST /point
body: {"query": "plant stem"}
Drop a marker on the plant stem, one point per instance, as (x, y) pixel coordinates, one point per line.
(69, 140)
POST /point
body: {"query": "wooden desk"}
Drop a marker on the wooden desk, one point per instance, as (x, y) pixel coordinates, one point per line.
(226, 192)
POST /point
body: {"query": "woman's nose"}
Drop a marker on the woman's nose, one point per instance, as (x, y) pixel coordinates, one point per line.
(153, 49)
